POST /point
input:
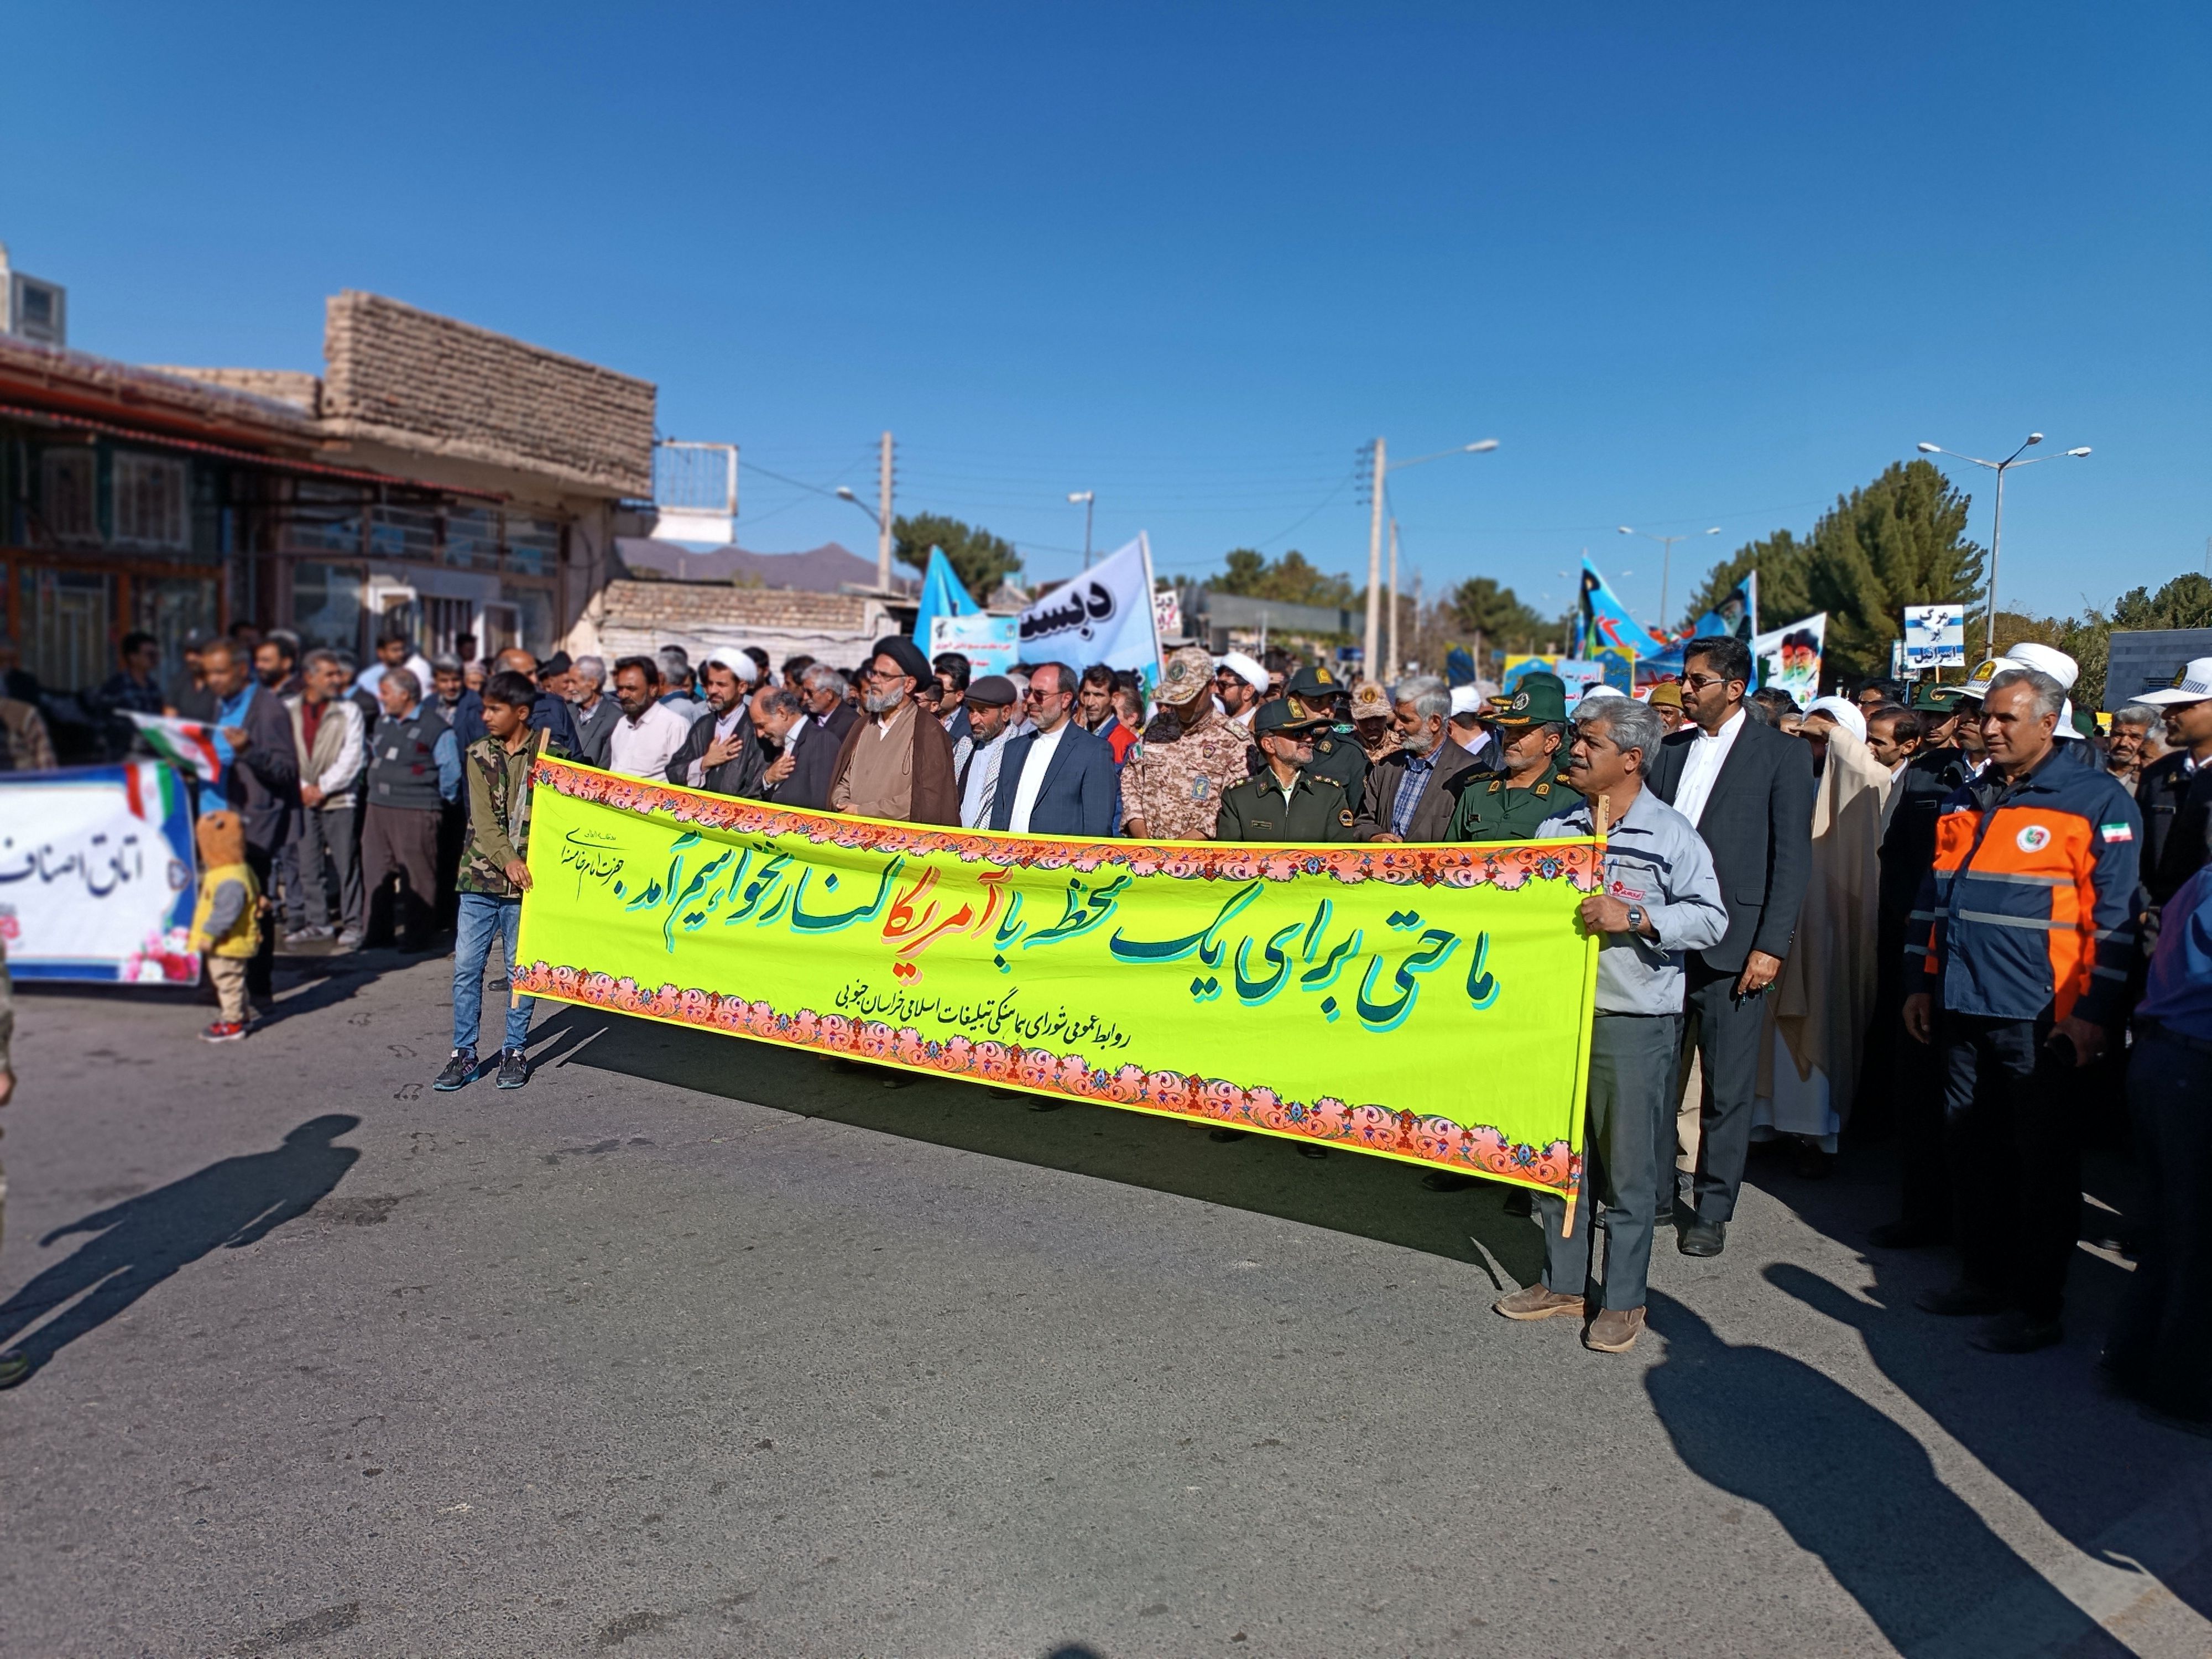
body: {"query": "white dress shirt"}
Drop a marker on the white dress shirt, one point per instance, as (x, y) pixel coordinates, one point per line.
(1031, 783)
(724, 725)
(1708, 754)
(643, 747)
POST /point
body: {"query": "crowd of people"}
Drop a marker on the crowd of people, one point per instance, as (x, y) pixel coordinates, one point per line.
(1957, 915)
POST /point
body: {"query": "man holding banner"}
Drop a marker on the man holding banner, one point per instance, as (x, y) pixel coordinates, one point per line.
(1661, 899)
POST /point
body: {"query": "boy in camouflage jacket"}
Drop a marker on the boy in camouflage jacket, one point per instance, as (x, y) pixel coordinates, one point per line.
(494, 875)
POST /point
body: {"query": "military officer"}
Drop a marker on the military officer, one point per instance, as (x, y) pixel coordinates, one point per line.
(1508, 803)
(1289, 801)
(1174, 780)
(1317, 694)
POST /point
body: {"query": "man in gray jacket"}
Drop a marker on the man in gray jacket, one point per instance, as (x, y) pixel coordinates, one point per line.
(1661, 900)
(321, 866)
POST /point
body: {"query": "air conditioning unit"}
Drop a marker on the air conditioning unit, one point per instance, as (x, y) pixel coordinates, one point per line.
(35, 310)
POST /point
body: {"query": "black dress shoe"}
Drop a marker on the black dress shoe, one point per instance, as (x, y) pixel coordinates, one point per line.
(1905, 1236)
(1227, 1135)
(1960, 1301)
(1702, 1238)
(1521, 1202)
(1446, 1180)
(1046, 1103)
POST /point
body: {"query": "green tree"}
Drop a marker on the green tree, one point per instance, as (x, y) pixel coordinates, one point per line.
(981, 560)
(1900, 540)
(1482, 607)
(2184, 602)
(1292, 580)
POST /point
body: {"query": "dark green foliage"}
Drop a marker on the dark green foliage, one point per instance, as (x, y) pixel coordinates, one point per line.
(981, 560)
(1900, 540)
(1481, 606)
(1290, 579)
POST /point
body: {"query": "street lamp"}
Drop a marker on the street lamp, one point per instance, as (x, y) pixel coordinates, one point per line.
(1997, 525)
(1666, 559)
(881, 521)
(1371, 642)
(1089, 498)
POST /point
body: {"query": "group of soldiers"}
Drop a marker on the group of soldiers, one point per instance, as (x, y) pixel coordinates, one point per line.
(1293, 769)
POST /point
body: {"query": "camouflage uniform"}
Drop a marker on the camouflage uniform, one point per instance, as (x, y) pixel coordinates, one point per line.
(498, 785)
(1177, 788)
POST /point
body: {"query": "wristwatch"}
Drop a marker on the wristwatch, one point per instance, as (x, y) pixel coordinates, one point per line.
(1636, 918)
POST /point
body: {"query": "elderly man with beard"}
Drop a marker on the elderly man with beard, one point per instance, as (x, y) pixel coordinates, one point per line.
(1190, 757)
(995, 714)
(804, 754)
(1411, 792)
(720, 754)
(896, 764)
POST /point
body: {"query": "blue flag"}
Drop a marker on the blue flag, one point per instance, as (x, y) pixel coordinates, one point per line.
(1605, 623)
(942, 595)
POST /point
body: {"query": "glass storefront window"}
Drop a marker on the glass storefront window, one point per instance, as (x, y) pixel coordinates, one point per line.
(66, 617)
(533, 545)
(534, 606)
(169, 607)
(403, 533)
(472, 539)
(328, 601)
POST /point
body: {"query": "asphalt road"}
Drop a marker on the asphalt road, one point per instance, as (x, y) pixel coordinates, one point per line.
(694, 1347)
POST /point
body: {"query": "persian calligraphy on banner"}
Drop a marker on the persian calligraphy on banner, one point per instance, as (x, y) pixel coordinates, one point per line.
(96, 874)
(1429, 1003)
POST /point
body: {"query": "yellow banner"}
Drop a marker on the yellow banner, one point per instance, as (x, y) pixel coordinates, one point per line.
(1429, 1003)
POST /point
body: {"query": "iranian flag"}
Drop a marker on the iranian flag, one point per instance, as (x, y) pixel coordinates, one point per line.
(189, 745)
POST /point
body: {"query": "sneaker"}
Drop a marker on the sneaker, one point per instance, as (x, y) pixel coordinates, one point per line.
(348, 938)
(312, 933)
(1534, 1302)
(224, 1030)
(460, 1071)
(1614, 1330)
(513, 1068)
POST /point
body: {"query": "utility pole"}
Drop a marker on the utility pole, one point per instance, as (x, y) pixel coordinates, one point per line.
(1394, 601)
(883, 516)
(1371, 642)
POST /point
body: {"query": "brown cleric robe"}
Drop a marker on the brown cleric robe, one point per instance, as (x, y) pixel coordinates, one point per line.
(862, 785)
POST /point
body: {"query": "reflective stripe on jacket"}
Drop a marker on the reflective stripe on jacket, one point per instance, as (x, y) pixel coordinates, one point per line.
(2029, 909)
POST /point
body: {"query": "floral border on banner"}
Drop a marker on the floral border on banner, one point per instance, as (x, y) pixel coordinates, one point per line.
(1506, 865)
(1423, 1139)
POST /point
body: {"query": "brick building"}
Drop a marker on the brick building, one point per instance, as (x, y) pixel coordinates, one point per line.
(436, 475)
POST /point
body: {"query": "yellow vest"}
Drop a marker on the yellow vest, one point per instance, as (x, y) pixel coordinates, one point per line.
(244, 937)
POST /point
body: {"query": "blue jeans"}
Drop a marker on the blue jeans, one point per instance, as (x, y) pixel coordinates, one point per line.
(483, 915)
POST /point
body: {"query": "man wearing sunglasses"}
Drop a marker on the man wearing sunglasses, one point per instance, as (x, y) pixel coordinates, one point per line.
(1057, 779)
(895, 764)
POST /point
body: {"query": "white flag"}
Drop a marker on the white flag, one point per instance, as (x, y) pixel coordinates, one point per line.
(1105, 615)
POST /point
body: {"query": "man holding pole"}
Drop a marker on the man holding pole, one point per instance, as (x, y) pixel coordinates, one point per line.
(1661, 899)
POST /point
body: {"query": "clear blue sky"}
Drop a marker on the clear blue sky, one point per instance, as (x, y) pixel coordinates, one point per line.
(1692, 266)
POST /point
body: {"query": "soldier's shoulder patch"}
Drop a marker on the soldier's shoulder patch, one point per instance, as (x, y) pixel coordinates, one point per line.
(1344, 818)
(1323, 777)
(1496, 784)
(1543, 789)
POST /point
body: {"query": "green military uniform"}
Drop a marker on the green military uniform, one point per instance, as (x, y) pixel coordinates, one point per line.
(1491, 809)
(1337, 753)
(1316, 808)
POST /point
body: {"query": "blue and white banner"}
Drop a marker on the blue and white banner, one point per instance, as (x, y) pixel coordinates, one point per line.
(96, 874)
(991, 644)
(1105, 615)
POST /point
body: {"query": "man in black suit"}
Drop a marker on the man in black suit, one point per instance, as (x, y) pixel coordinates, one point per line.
(799, 775)
(1058, 780)
(1748, 788)
(824, 690)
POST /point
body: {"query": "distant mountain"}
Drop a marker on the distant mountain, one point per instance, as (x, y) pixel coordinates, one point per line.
(829, 568)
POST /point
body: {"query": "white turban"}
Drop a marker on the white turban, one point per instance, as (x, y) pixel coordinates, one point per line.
(1845, 712)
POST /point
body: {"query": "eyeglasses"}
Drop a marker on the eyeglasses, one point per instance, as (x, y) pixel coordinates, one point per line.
(1033, 695)
(894, 674)
(1699, 681)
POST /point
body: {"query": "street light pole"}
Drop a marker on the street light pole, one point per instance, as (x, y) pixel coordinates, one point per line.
(1996, 523)
(1393, 663)
(1371, 642)
(1666, 561)
(1089, 498)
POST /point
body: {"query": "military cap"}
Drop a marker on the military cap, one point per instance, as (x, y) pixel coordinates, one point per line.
(1667, 694)
(1934, 699)
(1276, 716)
(1540, 699)
(1369, 702)
(1315, 682)
(1190, 671)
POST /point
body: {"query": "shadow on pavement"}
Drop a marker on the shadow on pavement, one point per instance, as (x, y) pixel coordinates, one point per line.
(140, 1243)
(1852, 1488)
(1348, 1192)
